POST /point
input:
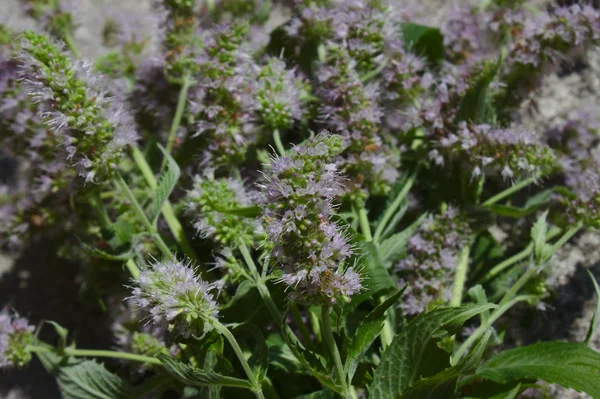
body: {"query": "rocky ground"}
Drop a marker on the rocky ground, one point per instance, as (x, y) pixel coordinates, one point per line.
(43, 286)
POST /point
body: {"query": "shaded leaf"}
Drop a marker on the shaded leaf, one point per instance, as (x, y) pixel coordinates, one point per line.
(194, 376)
(324, 394)
(413, 353)
(394, 247)
(376, 278)
(259, 361)
(572, 365)
(166, 185)
(424, 41)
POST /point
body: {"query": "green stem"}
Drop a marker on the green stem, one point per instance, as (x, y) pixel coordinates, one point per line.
(566, 237)
(240, 355)
(363, 219)
(484, 327)
(333, 349)
(167, 209)
(137, 209)
(133, 268)
(278, 143)
(387, 332)
(249, 261)
(460, 276)
(301, 325)
(97, 353)
(509, 191)
(100, 210)
(183, 92)
(68, 39)
(389, 213)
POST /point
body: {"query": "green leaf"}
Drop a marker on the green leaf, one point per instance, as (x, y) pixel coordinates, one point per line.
(166, 185)
(368, 330)
(596, 317)
(478, 294)
(259, 361)
(62, 333)
(413, 352)
(512, 394)
(85, 379)
(394, 247)
(194, 376)
(533, 204)
(572, 365)
(98, 253)
(324, 394)
(477, 105)
(376, 277)
(281, 356)
(443, 385)
(538, 236)
(424, 41)
(118, 235)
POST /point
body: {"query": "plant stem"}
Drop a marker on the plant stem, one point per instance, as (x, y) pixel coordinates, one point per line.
(133, 268)
(566, 237)
(301, 325)
(137, 209)
(97, 353)
(68, 39)
(100, 210)
(167, 209)
(509, 191)
(460, 276)
(278, 143)
(183, 92)
(363, 219)
(389, 213)
(333, 349)
(249, 261)
(240, 355)
(484, 326)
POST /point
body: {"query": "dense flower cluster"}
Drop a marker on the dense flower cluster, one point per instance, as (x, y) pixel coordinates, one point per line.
(54, 16)
(431, 259)
(307, 244)
(15, 335)
(511, 152)
(350, 109)
(209, 202)
(172, 296)
(180, 42)
(94, 134)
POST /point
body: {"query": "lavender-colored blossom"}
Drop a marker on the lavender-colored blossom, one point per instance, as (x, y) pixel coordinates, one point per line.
(207, 203)
(467, 33)
(306, 243)
(15, 335)
(94, 130)
(430, 261)
(170, 294)
(350, 109)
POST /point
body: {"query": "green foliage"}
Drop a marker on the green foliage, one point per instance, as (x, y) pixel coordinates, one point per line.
(166, 185)
(413, 354)
(571, 365)
(595, 322)
(424, 40)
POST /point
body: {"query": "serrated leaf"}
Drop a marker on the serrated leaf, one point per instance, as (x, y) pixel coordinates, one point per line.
(595, 322)
(572, 365)
(477, 293)
(476, 106)
(413, 352)
(424, 41)
(85, 379)
(194, 376)
(98, 253)
(166, 185)
(394, 246)
(443, 384)
(368, 330)
(538, 237)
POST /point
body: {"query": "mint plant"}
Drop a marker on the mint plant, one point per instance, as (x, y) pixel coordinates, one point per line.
(299, 211)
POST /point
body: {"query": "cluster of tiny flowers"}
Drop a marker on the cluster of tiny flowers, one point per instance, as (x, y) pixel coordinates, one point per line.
(93, 132)
(512, 152)
(430, 261)
(350, 108)
(307, 244)
(15, 335)
(575, 141)
(223, 100)
(52, 15)
(278, 94)
(174, 298)
(208, 203)
(467, 33)
(311, 20)
(181, 44)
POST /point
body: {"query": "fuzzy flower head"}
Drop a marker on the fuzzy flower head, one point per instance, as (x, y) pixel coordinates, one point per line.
(172, 296)
(278, 93)
(52, 15)
(512, 152)
(15, 335)
(94, 133)
(212, 204)
(306, 244)
(350, 108)
(430, 260)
